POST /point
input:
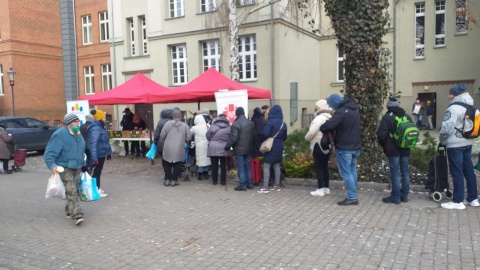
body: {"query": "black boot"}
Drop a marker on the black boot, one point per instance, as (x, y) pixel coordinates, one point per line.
(205, 175)
(200, 176)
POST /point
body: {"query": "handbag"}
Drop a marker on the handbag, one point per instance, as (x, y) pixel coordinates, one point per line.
(268, 143)
(161, 143)
(326, 143)
(55, 187)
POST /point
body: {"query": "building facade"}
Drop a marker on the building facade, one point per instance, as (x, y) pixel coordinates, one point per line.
(30, 44)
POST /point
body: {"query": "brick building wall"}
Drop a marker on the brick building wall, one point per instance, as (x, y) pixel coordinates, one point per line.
(30, 43)
(95, 54)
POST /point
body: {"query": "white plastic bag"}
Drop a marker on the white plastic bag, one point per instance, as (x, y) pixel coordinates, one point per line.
(55, 187)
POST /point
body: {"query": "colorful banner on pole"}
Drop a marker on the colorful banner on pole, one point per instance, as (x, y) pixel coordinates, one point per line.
(228, 101)
(80, 108)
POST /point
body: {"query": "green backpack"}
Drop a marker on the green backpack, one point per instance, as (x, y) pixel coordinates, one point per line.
(406, 134)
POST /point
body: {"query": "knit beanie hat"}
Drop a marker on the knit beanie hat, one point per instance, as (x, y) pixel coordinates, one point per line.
(334, 101)
(322, 104)
(393, 102)
(458, 89)
(206, 111)
(69, 118)
(98, 114)
(239, 111)
(89, 118)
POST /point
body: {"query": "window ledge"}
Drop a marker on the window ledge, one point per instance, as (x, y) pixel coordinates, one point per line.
(439, 46)
(136, 57)
(337, 84)
(206, 12)
(173, 18)
(419, 58)
(461, 34)
(248, 80)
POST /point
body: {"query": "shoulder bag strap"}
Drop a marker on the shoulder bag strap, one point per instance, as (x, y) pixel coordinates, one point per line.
(279, 130)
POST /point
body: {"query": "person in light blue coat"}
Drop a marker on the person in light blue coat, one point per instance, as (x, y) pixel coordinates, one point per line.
(273, 126)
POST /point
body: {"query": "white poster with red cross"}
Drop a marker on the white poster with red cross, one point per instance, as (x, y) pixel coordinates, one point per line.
(229, 100)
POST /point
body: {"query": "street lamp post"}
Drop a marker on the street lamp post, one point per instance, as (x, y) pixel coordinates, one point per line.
(11, 78)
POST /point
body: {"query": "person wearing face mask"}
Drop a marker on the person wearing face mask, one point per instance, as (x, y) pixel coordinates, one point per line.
(99, 145)
(65, 150)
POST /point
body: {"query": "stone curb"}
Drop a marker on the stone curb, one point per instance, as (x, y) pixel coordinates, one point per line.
(340, 184)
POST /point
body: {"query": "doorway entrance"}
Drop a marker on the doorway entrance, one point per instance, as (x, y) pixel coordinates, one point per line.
(424, 99)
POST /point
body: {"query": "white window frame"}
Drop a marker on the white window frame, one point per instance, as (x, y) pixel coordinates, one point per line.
(440, 23)
(247, 49)
(211, 54)
(103, 23)
(87, 29)
(179, 64)
(143, 22)
(460, 17)
(131, 36)
(176, 8)
(419, 52)
(340, 63)
(245, 2)
(2, 90)
(208, 5)
(89, 80)
(106, 77)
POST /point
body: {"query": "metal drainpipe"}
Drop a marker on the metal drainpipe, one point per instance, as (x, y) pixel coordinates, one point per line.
(76, 50)
(114, 66)
(394, 79)
(272, 54)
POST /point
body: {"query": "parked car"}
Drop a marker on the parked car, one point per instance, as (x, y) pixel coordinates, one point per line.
(28, 133)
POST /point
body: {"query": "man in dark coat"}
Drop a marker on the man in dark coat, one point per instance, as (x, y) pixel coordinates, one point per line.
(84, 132)
(259, 123)
(241, 139)
(345, 122)
(127, 124)
(397, 157)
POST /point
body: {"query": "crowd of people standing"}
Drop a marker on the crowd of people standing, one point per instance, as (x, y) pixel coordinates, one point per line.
(336, 124)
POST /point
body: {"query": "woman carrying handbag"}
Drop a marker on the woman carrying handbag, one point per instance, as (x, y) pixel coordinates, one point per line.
(276, 128)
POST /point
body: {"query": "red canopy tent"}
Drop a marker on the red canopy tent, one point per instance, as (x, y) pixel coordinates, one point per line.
(139, 89)
(203, 88)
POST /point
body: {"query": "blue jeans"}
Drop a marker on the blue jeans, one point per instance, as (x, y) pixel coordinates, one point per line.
(347, 166)
(399, 164)
(461, 166)
(418, 119)
(244, 171)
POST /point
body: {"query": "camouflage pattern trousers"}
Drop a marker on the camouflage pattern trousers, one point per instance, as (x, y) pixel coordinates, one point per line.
(71, 179)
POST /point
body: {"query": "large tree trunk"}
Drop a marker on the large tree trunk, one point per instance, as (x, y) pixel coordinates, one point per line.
(233, 38)
(359, 27)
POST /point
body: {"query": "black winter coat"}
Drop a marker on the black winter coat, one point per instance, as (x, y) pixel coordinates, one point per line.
(388, 125)
(345, 123)
(242, 136)
(259, 123)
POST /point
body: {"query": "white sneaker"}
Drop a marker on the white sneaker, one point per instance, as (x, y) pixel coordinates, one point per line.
(452, 205)
(326, 190)
(319, 192)
(472, 203)
(102, 193)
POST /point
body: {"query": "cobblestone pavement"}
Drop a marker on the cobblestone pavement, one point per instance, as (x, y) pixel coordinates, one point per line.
(144, 225)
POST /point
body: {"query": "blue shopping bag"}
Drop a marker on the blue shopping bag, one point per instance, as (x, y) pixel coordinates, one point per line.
(152, 152)
(87, 188)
